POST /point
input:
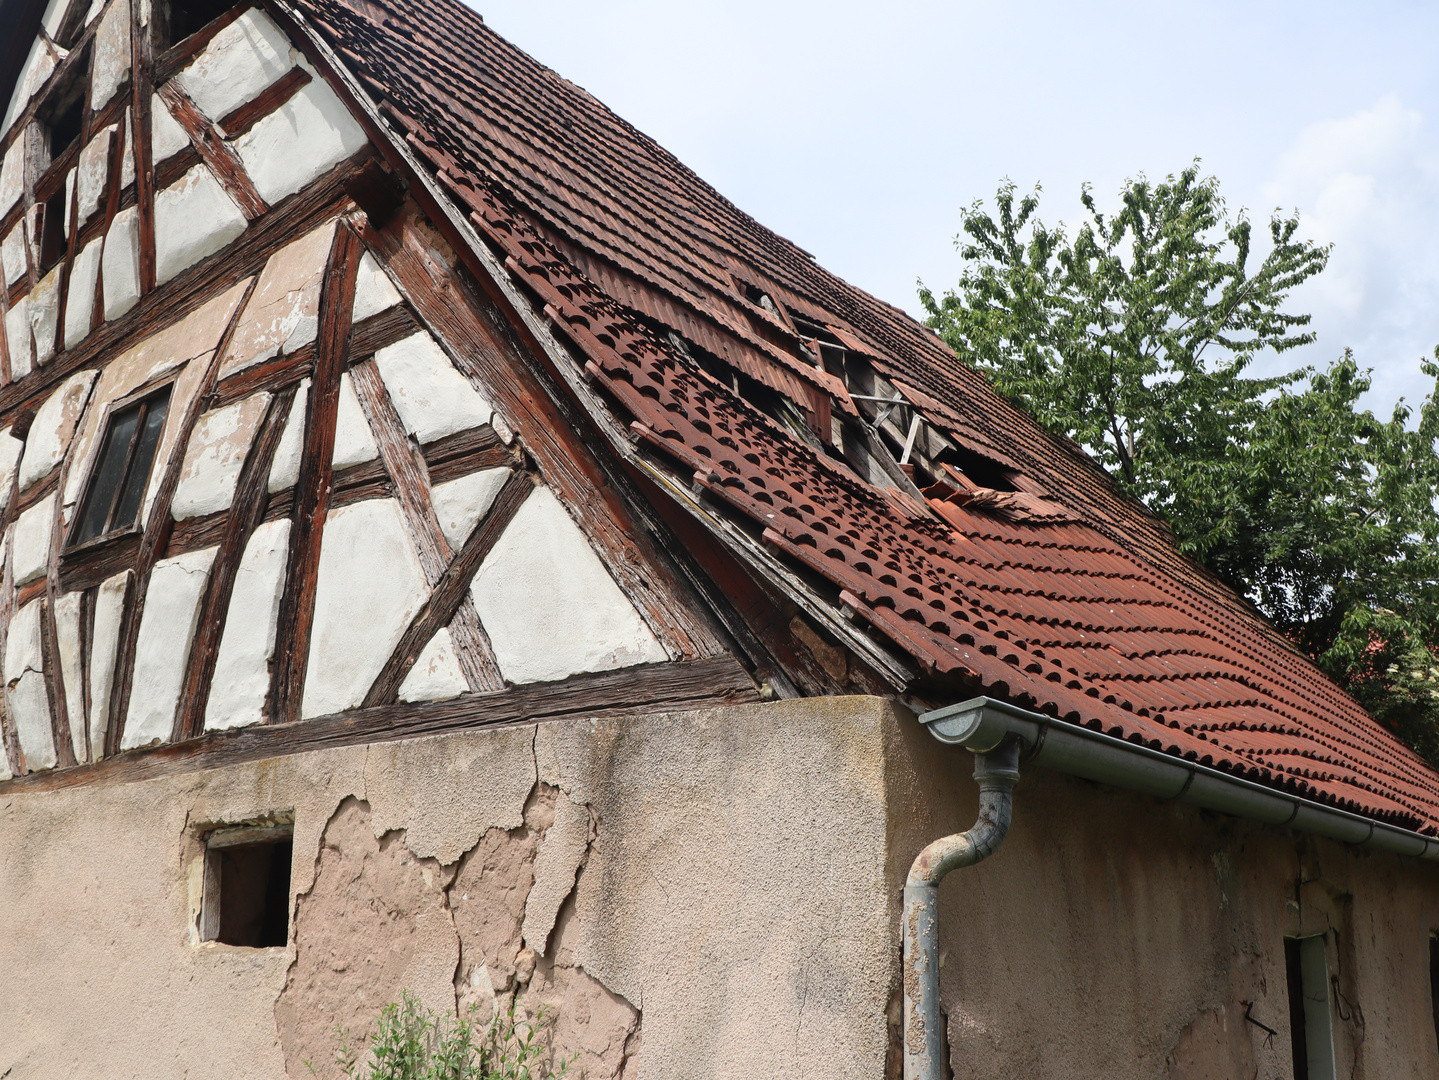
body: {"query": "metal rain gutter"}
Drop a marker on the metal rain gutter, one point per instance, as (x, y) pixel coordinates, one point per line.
(997, 733)
(981, 724)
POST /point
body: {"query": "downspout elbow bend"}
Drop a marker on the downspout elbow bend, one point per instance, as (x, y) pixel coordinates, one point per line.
(997, 772)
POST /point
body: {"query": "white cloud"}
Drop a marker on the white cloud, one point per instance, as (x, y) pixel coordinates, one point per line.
(1369, 184)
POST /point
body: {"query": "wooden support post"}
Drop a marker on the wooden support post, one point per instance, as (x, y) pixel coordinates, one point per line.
(247, 510)
(157, 533)
(408, 472)
(142, 48)
(312, 490)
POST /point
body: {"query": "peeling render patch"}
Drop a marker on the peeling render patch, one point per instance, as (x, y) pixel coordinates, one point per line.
(378, 920)
(284, 311)
(214, 457)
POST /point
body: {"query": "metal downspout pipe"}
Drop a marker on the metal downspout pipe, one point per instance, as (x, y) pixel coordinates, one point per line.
(997, 732)
(923, 1033)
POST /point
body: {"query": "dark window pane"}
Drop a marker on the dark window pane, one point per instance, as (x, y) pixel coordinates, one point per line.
(117, 485)
(108, 469)
(134, 490)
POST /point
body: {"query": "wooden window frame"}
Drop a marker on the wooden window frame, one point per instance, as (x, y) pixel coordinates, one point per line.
(136, 527)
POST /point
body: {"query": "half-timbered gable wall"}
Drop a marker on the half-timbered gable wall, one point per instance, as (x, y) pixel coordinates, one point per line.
(334, 511)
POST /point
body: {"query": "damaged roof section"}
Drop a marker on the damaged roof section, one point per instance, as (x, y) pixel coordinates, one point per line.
(938, 518)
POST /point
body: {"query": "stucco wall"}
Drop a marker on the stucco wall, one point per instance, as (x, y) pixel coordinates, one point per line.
(729, 917)
(1116, 936)
(710, 894)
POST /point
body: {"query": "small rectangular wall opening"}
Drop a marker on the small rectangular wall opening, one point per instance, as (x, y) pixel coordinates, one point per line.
(247, 887)
(1311, 1032)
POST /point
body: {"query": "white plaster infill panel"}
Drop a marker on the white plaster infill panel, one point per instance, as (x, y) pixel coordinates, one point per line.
(38, 66)
(194, 217)
(105, 640)
(374, 292)
(12, 253)
(432, 398)
(93, 170)
(53, 427)
(299, 142)
(550, 606)
(67, 633)
(215, 456)
(167, 137)
(12, 176)
(285, 469)
(242, 665)
(81, 304)
(240, 61)
(111, 61)
(44, 307)
(121, 263)
(436, 674)
(284, 312)
(25, 685)
(10, 450)
(31, 554)
(354, 443)
(167, 626)
(17, 335)
(370, 586)
(461, 503)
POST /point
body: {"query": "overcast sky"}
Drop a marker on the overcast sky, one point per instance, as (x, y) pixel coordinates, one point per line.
(860, 130)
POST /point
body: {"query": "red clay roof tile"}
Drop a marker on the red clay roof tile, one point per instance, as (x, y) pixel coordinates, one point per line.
(1098, 620)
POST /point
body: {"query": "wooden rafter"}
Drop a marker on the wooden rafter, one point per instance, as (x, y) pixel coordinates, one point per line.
(477, 338)
(312, 491)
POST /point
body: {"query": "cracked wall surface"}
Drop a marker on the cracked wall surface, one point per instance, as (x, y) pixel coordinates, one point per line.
(649, 881)
(694, 896)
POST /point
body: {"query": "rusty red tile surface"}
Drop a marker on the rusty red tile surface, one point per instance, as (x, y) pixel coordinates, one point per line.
(1091, 615)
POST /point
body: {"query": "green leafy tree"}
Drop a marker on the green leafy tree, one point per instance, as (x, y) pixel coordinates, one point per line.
(1136, 337)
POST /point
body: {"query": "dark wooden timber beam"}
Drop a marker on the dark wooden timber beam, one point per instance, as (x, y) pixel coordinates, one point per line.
(635, 691)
